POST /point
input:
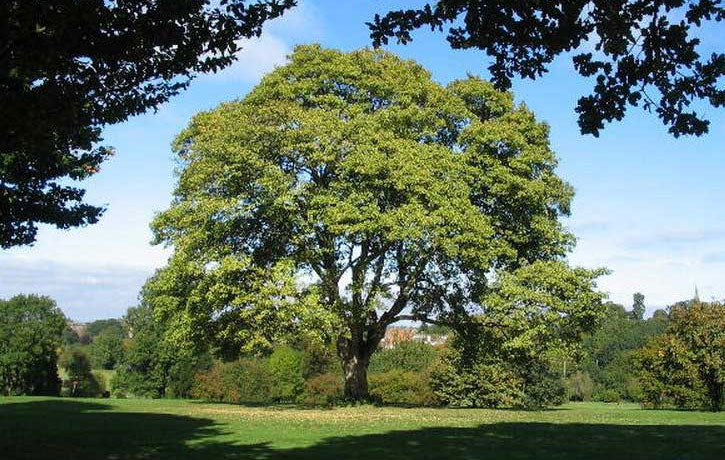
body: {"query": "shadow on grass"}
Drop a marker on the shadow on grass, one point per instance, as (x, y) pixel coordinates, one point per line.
(66, 429)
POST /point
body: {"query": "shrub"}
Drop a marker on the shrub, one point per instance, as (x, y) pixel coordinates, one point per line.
(80, 381)
(412, 356)
(181, 374)
(215, 384)
(245, 380)
(323, 390)
(286, 368)
(580, 387)
(480, 385)
(608, 395)
(542, 387)
(319, 359)
(402, 387)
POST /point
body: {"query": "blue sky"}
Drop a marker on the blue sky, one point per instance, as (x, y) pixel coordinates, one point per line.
(647, 206)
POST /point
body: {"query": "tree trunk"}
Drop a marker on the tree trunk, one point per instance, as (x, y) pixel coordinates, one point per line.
(354, 353)
(355, 369)
(715, 391)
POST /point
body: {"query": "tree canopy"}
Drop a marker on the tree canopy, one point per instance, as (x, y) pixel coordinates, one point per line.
(348, 192)
(30, 332)
(113, 326)
(640, 52)
(69, 67)
(686, 365)
(106, 350)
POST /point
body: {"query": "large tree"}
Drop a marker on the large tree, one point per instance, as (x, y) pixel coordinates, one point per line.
(30, 333)
(641, 52)
(70, 67)
(348, 192)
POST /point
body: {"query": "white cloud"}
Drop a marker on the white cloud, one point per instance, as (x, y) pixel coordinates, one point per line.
(84, 293)
(258, 57)
(664, 265)
(300, 24)
(263, 54)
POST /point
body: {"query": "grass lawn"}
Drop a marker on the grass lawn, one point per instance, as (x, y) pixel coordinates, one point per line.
(59, 429)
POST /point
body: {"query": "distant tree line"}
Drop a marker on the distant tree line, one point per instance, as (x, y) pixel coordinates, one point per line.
(675, 358)
(605, 370)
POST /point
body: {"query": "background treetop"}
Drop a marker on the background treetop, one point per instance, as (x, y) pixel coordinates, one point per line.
(640, 52)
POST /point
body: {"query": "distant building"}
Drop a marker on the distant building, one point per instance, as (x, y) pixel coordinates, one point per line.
(396, 335)
(78, 328)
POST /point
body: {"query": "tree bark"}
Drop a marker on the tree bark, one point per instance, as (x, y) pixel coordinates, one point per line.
(355, 369)
(354, 353)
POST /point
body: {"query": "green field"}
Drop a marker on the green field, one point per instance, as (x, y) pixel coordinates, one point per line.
(53, 428)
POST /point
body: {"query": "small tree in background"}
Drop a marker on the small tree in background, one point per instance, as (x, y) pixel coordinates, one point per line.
(638, 307)
(686, 365)
(70, 336)
(607, 353)
(31, 328)
(496, 367)
(286, 367)
(410, 356)
(581, 387)
(106, 350)
(149, 366)
(80, 381)
(113, 326)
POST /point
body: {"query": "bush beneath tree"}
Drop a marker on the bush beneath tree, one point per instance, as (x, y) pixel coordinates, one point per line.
(324, 390)
(399, 387)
